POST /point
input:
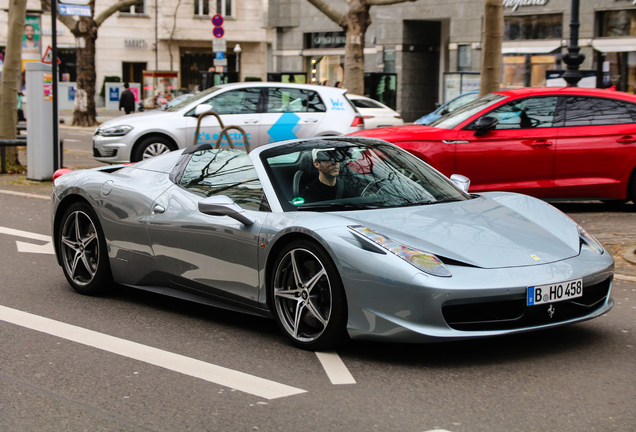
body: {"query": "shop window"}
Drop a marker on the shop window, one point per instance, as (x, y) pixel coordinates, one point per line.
(202, 7)
(531, 27)
(463, 58)
(528, 70)
(326, 70)
(526, 113)
(617, 23)
(583, 111)
(136, 9)
(293, 100)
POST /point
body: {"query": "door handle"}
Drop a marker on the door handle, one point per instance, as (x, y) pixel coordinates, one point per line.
(310, 120)
(541, 143)
(252, 121)
(627, 139)
(158, 209)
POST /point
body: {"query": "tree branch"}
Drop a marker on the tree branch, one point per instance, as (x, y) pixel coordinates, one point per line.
(386, 2)
(331, 13)
(115, 8)
(67, 20)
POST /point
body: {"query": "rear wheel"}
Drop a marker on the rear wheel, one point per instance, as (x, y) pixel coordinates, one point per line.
(151, 147)
(307, 297)
(82, 246)
(631, 188)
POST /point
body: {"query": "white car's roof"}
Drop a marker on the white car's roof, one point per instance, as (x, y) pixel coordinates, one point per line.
(280, 84)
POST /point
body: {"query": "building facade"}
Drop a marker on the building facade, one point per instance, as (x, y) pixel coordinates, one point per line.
(434, 46)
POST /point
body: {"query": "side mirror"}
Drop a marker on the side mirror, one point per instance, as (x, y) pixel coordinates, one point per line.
(200, 109)
(484, 124)
(461, 182)
(222, 205)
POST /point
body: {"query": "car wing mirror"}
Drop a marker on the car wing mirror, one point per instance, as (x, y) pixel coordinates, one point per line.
(200, 109)
(461, 182)
(222, 205)
(484, 124)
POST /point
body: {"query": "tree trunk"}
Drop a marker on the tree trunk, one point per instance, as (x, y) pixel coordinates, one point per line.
(358, 20)
(84, 108)
(491, 47)
(11, 76)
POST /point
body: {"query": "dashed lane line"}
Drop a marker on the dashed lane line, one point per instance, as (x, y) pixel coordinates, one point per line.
(335, 368)
(175, 362)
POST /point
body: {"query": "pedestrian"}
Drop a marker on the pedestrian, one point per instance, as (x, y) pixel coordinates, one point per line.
(338, 84)
(127, 100)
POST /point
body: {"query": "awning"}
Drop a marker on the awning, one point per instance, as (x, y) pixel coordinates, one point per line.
(614, 44)
(530, 47)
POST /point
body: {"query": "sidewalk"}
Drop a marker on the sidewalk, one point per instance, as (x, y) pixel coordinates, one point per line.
(102, 116)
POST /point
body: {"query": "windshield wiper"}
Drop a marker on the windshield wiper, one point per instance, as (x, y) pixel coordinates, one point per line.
(336, 206)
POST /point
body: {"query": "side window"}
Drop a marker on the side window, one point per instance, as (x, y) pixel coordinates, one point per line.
(224, 172)
(364, 103)
(461, 101)
(240, 101)
(586, 111)
(293, 100)
(526, 113)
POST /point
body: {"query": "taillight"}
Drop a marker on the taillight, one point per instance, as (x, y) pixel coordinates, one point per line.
(398, 117)
(60, 172)
(357, 121)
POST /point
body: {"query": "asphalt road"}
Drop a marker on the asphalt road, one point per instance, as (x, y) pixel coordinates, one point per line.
(137, 361)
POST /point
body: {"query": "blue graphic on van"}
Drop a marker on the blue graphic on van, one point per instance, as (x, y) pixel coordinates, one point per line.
(285, 128)
(337, 105)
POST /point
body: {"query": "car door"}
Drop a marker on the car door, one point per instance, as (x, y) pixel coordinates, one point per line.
(596, 148)
(238, 107)
(291, 113)
(213, 254)
(517, 155)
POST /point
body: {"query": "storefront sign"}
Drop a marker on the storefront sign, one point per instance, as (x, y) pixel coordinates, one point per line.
(135, 43)
(48, 86)
(325, 40)
(515, 4)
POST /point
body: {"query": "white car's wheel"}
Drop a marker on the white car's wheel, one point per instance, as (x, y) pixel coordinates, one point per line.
(307, 297)
(152, 147)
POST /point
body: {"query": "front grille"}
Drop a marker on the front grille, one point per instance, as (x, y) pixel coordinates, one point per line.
(514, 314)
(96, 153)
(104, 153)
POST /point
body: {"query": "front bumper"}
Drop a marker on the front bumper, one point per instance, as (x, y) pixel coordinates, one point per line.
(112, 150)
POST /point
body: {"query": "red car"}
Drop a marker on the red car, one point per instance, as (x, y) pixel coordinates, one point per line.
(546, 142)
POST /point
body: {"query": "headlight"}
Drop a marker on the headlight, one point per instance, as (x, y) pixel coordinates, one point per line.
(426, 262)
(114, 131)
(589, 240)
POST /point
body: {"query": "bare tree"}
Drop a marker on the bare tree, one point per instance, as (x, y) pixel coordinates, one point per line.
(11, 76)
(173, 32)
(355, 24)
(491, 47)
(85, 31)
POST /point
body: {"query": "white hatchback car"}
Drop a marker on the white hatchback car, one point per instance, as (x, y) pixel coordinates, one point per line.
(375, 114)
(266, 111)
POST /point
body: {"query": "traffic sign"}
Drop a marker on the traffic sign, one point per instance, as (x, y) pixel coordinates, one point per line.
(219, 62)
(219, 69)
(48, 56)
(219, 55)
(75, 10)
(217, 20)
(219, 44)
(75, 2)
(218, 32)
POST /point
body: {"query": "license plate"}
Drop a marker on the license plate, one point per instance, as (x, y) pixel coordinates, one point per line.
(551, 293)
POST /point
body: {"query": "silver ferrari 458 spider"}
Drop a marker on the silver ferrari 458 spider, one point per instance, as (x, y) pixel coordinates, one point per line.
(334, 238)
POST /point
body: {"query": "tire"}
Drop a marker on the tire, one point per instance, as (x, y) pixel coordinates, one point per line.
(614, 203)
(307, 297)
(151, 147)
(631, 187)
(83, 251)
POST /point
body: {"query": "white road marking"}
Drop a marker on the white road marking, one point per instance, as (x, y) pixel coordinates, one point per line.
(188, 366)
(625, 278)
(29, 247)
(24, 194)
(335, 368)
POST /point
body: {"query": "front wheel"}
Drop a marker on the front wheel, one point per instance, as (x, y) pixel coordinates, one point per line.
(82, 247)
(151, 147)
(307, 297)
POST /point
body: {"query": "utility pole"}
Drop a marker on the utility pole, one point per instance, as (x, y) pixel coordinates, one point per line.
(573, 58)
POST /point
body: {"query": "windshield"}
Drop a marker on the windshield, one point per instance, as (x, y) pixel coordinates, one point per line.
(194, 98)
(353, 173)
(463, 113)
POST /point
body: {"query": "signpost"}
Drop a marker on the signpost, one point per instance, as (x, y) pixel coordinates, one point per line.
(219, 46)
(47, 58)
(75, 10)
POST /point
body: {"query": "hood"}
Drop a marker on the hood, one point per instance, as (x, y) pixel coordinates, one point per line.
(134, 119)
(405, 133)
(502, 230)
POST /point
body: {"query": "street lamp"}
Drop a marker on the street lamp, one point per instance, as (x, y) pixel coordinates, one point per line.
(237, 50)
(573, 58)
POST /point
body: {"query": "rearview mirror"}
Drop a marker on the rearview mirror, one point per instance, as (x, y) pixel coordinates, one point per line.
(200, 109)
(484, 124)
(222, 205)
(461, 182)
